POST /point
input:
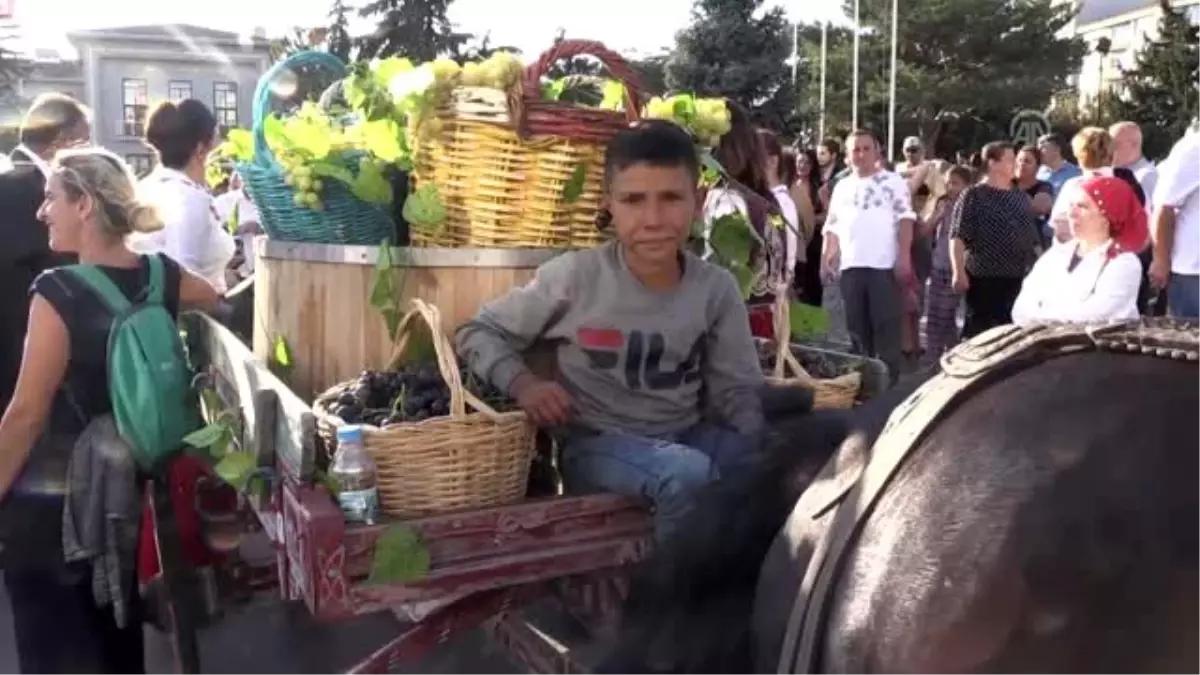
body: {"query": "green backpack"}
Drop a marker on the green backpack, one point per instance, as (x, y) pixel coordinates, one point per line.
(148, 377)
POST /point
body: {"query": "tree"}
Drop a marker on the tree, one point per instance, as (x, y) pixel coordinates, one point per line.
(962, 65)
(416, 29)
(733, 48)
(480, 48)
(337, 39)
(653, 71)
(1161, 91)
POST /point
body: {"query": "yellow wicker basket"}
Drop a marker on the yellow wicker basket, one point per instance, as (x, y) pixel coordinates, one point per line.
(464, 460)
(501, 162)
(836, 393)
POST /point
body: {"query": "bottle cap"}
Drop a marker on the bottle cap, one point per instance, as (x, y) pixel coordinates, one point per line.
(349, 433)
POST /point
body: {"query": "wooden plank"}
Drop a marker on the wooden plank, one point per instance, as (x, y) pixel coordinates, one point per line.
(294, 430)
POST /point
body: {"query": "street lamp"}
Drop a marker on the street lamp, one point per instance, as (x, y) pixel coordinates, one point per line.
(1103, 47)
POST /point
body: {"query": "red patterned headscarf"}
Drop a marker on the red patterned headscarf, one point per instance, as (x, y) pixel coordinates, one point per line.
(1127, 223)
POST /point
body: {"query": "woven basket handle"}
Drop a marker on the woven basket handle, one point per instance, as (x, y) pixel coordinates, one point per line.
(447, 362)
(616, 65)
(784, 358)
(262, 93)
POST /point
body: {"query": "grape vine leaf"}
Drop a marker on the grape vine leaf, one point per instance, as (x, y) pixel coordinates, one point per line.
(274, 133)
(281, 352)
(424, 207)
(614, 95)
(573, 188)
(731, 237)
(554, 90)
(684, 109)
(334, 171)
(371, 185)
(743, 275)
(382, 139)
(205, 437)
(383, 290)
(235, 468)
(400, 556)
(387, 69)
(309, 136)
(807, 321)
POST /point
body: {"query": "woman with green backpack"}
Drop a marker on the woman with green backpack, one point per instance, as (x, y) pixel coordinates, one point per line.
(103, 363)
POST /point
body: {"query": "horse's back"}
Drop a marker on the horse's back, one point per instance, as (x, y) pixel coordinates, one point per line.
(1049, 523)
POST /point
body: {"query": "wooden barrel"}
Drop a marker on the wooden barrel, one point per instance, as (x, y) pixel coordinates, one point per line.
(316, 297)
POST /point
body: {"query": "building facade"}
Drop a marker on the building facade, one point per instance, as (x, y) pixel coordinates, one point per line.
(120, 73)
(1127, 25)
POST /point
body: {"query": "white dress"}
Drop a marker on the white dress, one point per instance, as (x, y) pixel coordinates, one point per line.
(192, 234)
(1098, 289)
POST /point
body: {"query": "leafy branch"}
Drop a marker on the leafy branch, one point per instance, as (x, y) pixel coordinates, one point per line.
(220, 441)
(385, 291)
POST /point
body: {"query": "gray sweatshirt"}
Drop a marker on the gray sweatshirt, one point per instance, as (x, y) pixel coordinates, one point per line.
(633, 359)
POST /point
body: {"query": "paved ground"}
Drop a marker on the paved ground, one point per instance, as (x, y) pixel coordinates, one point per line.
(269, 637)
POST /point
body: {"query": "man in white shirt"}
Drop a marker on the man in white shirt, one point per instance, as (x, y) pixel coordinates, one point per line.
(1127, 154)
(1176, 228)
(868, 242)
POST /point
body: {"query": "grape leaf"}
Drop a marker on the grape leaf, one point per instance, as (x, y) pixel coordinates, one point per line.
(573, 188)
(205, 437)
(424, 207)
(400, 556)
(334, 171)
(370, 185)
(281, 352)
(382, 139)
(744, 276)
(239, 144)
(731, 238)
(274, 133)
(231, 223)
(554, 90)
(309, 135)
(383, 290)
(683, 108)
(807, 321)
(614, 95)
(235, 468)
(387, 69)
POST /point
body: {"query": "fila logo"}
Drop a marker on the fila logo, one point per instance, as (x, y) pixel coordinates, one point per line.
(643, 356)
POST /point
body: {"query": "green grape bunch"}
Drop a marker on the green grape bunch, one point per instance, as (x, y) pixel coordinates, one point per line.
(300, 177)
(706, 119)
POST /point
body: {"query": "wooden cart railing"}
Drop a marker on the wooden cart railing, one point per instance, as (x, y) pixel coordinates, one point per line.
(483, 562)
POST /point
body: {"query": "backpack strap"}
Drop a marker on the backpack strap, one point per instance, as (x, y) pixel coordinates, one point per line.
(114, 299)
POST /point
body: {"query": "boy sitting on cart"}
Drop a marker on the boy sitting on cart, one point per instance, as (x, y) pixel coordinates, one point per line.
(658, 382)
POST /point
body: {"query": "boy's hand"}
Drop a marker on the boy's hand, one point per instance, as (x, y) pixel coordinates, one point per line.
(546, 403)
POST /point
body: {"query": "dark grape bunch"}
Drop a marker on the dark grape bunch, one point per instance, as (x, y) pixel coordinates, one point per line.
(815, 363)
(413, 393)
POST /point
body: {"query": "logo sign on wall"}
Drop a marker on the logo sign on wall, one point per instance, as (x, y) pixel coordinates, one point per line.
(1024, 129)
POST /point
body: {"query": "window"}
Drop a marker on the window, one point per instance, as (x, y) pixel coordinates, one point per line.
(177, 90)
(1123, 35)
(141, 164)
(133, 105)
(1193, 14)
(225, 105)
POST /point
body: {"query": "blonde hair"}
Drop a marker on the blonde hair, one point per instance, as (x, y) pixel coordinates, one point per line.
(1093, 148)
(106, 178)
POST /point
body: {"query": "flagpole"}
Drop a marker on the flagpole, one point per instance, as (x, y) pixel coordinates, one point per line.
(824, 55)
(891, 133)
(854, 77)
(795, 52)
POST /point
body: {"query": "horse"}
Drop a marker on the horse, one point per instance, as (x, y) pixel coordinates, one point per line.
(1046, 522)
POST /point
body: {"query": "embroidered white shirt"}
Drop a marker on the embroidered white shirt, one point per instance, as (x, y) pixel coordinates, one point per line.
(192, 234)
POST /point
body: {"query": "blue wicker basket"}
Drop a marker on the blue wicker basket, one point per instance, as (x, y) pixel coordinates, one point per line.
(346, 219)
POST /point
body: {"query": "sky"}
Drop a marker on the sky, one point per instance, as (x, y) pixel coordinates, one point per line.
(643, 26)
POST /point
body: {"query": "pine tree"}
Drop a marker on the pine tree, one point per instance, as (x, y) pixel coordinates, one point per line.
(1161, 91)
(416, 29)
(337, 39)
(733, 48)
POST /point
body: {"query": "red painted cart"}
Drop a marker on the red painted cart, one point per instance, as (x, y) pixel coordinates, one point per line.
(484, 564)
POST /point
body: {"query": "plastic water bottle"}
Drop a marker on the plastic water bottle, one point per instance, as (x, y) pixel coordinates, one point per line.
(353, 472)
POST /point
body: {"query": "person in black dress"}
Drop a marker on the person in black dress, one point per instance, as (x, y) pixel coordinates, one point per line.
(1041, 193)
(993, 242)
(53, 122)
(88, 210)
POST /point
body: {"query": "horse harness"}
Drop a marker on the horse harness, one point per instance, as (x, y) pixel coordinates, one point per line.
(844, 493)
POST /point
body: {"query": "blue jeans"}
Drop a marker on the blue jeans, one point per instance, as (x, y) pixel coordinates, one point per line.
(667, 471)
(1183, 296)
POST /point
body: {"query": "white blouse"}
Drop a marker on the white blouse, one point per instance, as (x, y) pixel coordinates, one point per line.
(1098, 289)
(192, 234)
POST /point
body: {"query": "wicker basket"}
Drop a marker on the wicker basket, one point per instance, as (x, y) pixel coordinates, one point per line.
(838, 393)
(346, 219)
(464, 460)
(501, 161)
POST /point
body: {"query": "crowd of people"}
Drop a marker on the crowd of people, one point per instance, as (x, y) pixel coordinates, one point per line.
(1022, 234)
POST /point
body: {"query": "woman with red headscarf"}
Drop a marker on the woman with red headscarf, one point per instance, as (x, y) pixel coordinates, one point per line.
(1095, 276)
